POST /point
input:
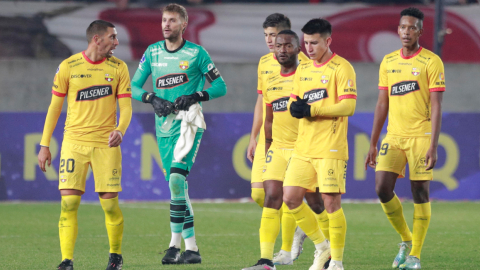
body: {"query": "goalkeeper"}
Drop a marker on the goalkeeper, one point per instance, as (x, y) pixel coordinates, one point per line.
(179, 69)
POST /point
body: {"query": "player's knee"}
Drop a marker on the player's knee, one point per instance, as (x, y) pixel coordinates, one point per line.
(420, 194)
(291, 201)
(384, 193)
(176, 184)
(258, 196)
(70, 203)
(318, 208)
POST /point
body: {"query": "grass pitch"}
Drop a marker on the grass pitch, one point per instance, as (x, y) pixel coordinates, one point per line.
(227, 235)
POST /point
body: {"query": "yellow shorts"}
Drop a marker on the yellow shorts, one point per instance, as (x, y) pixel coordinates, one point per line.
(395, 152)
(106, 165)
(258, 165)
(328, 174)
(276, 163)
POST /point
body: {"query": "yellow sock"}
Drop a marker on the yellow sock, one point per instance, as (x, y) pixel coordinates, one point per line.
(114, 223)
(288, 228)
(323, 223)
(421, 219)
(394, 211)
(306, 220)
(258, 196)
(269, 229)
(68, 226)
(338, 231)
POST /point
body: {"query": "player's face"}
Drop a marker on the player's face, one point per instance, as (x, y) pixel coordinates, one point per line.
(108, 42)
(409, 30)
(172, 25)
(286, 50)
(316, 45)
(270, 34)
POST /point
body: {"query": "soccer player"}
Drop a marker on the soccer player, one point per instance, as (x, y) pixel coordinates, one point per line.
(292, 240)
(411, 84)
(93, 81)
(179, 69)
(324, 96)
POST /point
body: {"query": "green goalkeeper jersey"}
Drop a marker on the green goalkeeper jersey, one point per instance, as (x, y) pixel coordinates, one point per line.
(176, 73)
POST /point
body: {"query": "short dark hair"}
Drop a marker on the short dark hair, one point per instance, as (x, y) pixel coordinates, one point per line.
(98, 27)
(413, 12)
(176, 8)
(317, 26)
(277, 20)
(290, 33)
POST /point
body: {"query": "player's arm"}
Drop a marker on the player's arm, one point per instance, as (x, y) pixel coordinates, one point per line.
(436, 79)
(124, 97)
(381, 112)
(346, 107)
(59, 91)
(257, 118)
(217, 88)
(268, 126)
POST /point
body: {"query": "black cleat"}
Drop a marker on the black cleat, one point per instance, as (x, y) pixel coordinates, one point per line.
(172, 256)
(190, 257)
(65, 265)
(327, 264)
(115, 262)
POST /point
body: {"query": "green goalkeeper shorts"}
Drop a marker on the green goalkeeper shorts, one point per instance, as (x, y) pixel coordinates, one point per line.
(166, 145)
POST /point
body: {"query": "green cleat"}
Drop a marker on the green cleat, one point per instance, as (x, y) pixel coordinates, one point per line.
(412, 263)
(402, 254)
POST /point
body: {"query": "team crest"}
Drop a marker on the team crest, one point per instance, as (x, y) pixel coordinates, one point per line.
(184, 65)
(63, 179)
(442, 76)
(108, 77)
(325, 79)
(415, 71)
(350, 83)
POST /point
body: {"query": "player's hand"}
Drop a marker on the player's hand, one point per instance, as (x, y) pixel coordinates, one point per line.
(252, 145)
(371, 159)
(44, 156)
(300, 108)
(431, 158)
(184, 102)
(115, 138)
(162, 107)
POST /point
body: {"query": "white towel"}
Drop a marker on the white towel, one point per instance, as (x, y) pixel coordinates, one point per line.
(191, 121)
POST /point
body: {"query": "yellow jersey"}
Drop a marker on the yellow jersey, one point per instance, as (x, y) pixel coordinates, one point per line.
(409, 81)
(92, 89)
(326, 84)
(276, 95)
(268, 65)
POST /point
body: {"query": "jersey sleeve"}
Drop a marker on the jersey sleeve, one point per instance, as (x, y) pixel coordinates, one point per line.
(218, 87)
(259, 79)
(61, 79)
(124, 88)
(141, 75)
(382, 76)
(346, 82)
(436, 75)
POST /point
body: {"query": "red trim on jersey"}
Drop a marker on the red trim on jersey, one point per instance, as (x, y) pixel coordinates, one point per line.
(293, 96)
(274, 57)
(90, 61)
(58, 94)
(259, 92)
(411, 56)
(288, 74)
(124, 95)
(347, 97)
(321, 65)
(439, 89)
(383, 88)
(268, 104)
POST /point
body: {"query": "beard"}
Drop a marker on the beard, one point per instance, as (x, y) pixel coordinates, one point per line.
(174, 36)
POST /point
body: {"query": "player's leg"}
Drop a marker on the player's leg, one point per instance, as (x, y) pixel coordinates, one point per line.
(315, 201)
(107, 171)
(420, 184)
(73, 169)
(258, 166)
(391, 165)
(331, 182)
(300, 177)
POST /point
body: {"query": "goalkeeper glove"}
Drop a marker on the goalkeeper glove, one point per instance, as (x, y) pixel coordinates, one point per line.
(161, 107)
(300, 108)
(184, 102)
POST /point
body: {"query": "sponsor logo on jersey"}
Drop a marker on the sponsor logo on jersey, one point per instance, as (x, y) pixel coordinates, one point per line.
(315, 95)
(325, 79)
(403, 88)
(81, 76)
(306, 79)
(94, 92)
(56, 86)
(108, 77)
(170, 57)
(159, 64)
(171, 80)
(441, 77)
(405, 64)
(95, 69)
(58, 69)
(394, 71)
(266, 72)
(142, 60)
(274, 88)
(415, 71)
(350, 83)
(184, 65)
(280, 105)
(188, 53)
(331, 172)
